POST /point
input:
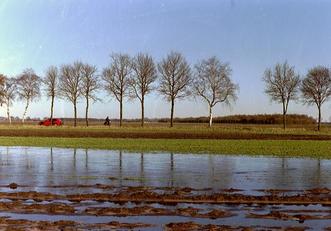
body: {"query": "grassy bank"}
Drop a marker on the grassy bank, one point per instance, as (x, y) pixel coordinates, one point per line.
(162, 131)
(289, 148)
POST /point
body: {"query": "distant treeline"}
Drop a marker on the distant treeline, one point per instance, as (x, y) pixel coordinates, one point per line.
(248, 119)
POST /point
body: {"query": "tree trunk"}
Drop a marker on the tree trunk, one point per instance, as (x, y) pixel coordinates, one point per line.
(25, 111)
(210, 116)
(52, 105)
(284, 116)
(121, 111)
(142, 112)
(319, 118)
(172, 113)
(8, 112)
(86, 111)
(75, 114)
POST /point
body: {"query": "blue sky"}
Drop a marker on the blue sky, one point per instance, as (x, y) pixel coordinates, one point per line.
(250, 35)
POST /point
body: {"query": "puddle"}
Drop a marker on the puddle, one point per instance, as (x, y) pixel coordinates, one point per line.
(62, 172)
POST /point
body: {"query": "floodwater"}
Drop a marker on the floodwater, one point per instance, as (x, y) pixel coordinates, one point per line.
(79, 171)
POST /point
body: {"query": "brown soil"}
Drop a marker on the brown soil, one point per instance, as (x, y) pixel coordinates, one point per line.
(10, 224)
(148, 195)
(183, 226)
(13, 186)
(53, 208)
(276, 215)
(151, 211)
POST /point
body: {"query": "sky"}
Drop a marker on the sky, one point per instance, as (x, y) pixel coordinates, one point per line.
(250, 35)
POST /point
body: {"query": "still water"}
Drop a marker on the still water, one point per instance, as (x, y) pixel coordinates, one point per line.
(53, 166)
(62, 171)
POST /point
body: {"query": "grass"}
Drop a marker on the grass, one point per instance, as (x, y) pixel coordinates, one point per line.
(296, 141)
(162, 131)
(281, 148)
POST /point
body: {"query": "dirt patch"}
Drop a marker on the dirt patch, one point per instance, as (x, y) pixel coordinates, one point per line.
(146, 201)
(13, 186)
(183, 226)
(277, 215)
(151, 211)
(53, 208)
(148, 195)
(11, 224)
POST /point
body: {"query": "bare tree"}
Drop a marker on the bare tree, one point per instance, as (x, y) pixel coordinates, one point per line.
(89, 86)
(316, 88)
(282, 84)
(51, 81)
(212, 82)
(144, 75)
(2, 89)
(175, 78)
(28, 88)
(10, 92)
(116, 77)
(71, 84)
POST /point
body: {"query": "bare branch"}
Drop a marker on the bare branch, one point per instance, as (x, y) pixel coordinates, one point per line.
(316, 88)
(28, 88)
(71, 84)
(282, 85)
(212, 82)
(51, 81)
(90, 84)
(175, 78)
(116, 78)
(144, 75)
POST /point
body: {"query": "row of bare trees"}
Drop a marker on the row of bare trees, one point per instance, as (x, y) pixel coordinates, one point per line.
(173, 78)
(25, 87)
(283, 84)
(125, 77)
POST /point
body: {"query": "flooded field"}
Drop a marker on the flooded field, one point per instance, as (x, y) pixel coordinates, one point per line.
(54, 189)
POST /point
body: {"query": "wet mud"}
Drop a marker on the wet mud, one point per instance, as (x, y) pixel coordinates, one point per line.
(62, 225)
(198, 227)
(185, 202)
(69, 189)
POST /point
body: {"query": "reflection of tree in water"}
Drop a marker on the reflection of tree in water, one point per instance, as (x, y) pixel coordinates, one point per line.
(50, 170)
(86, 159)
(221, 172)
(142, 172)
(172, 171)
(287, 173)
(74, 158)
(319, 171)
(7, 155)
(6, 165)
(51, 161)
(28, 164)
(278, 175)
(72, 174)
(199, 171)
(120, 176)
(131, 168)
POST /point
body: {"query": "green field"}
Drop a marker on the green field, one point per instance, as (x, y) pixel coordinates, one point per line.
(291, 148)
(159, 128)
(296, 141)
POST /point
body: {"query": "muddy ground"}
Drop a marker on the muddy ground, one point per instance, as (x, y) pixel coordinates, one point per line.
(163, 208)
